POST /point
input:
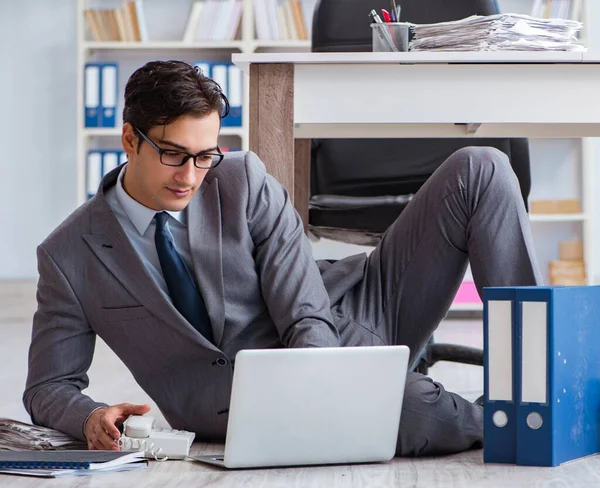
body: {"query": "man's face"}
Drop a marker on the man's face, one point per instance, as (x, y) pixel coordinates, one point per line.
(162, 187)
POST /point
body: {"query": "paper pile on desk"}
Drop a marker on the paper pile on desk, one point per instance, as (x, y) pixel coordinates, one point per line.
(15, 436)
(501, 32)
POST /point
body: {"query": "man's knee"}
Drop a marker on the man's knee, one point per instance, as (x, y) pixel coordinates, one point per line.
(484, 167)
(484, 157)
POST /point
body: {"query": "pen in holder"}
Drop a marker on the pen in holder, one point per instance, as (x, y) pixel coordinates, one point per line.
(390, 36)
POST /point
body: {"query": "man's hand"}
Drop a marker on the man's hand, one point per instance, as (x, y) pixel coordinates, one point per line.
(101, 429)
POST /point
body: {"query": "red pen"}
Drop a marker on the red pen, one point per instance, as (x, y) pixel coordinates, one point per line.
(386, 15)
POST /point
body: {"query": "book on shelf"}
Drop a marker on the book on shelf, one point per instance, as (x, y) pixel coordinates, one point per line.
(124, 24)
(557, 9)
(214, 20)
(283, 20)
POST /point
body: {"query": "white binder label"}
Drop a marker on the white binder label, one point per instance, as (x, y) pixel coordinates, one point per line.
(110, 162)
(109, 86)
(219, 74)
(500, 363)
(94, 171)
(92, 86)
(235, 86)
(534, 341)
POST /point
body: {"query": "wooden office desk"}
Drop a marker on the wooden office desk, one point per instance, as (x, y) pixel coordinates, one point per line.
(294, 97)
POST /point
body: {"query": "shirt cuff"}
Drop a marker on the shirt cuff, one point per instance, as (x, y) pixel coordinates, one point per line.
(88, 417)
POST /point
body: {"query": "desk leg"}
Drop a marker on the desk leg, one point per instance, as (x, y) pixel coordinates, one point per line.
(302, 178)
(272, 131)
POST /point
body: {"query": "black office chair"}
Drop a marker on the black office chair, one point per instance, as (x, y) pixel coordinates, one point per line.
(359, 187)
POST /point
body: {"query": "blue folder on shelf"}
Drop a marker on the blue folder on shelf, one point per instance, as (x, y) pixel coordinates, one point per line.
(235, 92)
(110, 160)
(204, 66)
(109, 88)
(555, 374)
(100, 94)
(91, 94)
(230, 79)
(93, 172)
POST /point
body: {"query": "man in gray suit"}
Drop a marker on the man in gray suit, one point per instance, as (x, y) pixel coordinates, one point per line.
(186, 256)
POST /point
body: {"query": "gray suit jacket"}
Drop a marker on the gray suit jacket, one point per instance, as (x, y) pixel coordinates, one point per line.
(255, 269)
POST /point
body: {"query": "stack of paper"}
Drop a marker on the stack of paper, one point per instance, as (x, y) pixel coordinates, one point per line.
(15, 436)
(501, 32)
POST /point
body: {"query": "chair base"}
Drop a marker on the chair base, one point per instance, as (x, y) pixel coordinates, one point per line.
(432, 353)
(347, 236)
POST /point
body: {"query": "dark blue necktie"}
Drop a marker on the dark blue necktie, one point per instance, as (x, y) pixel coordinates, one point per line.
(186, 297)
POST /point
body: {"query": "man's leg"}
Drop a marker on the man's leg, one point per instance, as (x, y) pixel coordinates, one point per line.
(470, 210)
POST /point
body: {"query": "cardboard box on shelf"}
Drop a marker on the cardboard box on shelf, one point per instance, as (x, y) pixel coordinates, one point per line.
(571, 251)
(567, 272)
(555, 206)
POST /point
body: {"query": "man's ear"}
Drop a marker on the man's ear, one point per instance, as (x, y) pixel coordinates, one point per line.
(129, 139)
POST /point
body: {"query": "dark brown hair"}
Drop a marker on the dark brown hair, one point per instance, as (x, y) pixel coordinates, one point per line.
(161, 91)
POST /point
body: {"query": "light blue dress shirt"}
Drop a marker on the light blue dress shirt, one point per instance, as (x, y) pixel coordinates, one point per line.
(139, 225)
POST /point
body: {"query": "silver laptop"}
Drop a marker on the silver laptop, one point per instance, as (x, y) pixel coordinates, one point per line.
(313, 406)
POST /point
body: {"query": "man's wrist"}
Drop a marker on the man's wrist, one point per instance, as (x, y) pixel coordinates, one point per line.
(88, 417)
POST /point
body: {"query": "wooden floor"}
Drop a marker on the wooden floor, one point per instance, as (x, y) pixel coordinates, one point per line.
(111, 382)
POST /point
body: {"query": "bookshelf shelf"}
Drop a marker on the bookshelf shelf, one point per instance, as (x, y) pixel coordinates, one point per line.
(160, 45)
(558, 217)
(208, 45)
(280, 44)
(116, 131)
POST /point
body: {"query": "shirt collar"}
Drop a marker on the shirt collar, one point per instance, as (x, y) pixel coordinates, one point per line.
(140, 215)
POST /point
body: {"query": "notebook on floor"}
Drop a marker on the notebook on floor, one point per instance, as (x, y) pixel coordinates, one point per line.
(312, 406)
(57, 463)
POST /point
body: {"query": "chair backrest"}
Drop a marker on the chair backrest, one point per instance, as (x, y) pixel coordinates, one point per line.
(372, 167)
(343, 25)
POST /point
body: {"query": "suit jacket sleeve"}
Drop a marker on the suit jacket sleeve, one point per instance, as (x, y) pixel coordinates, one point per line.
(61, 351)
(290, 279)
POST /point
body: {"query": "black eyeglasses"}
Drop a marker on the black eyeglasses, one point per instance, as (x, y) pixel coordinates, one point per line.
(172, 157)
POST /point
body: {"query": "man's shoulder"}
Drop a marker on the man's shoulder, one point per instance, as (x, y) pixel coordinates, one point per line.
(237, 168)
(72, 228)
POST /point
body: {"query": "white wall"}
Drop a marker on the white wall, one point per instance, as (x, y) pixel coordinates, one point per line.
(37, 127)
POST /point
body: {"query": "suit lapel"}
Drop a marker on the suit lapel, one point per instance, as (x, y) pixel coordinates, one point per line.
(204, 229)
(111, 245)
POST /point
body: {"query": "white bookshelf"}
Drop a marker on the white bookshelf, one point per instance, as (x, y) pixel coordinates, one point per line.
(133, 54)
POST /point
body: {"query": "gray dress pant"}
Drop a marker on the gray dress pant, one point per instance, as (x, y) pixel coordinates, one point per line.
(469, 211)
